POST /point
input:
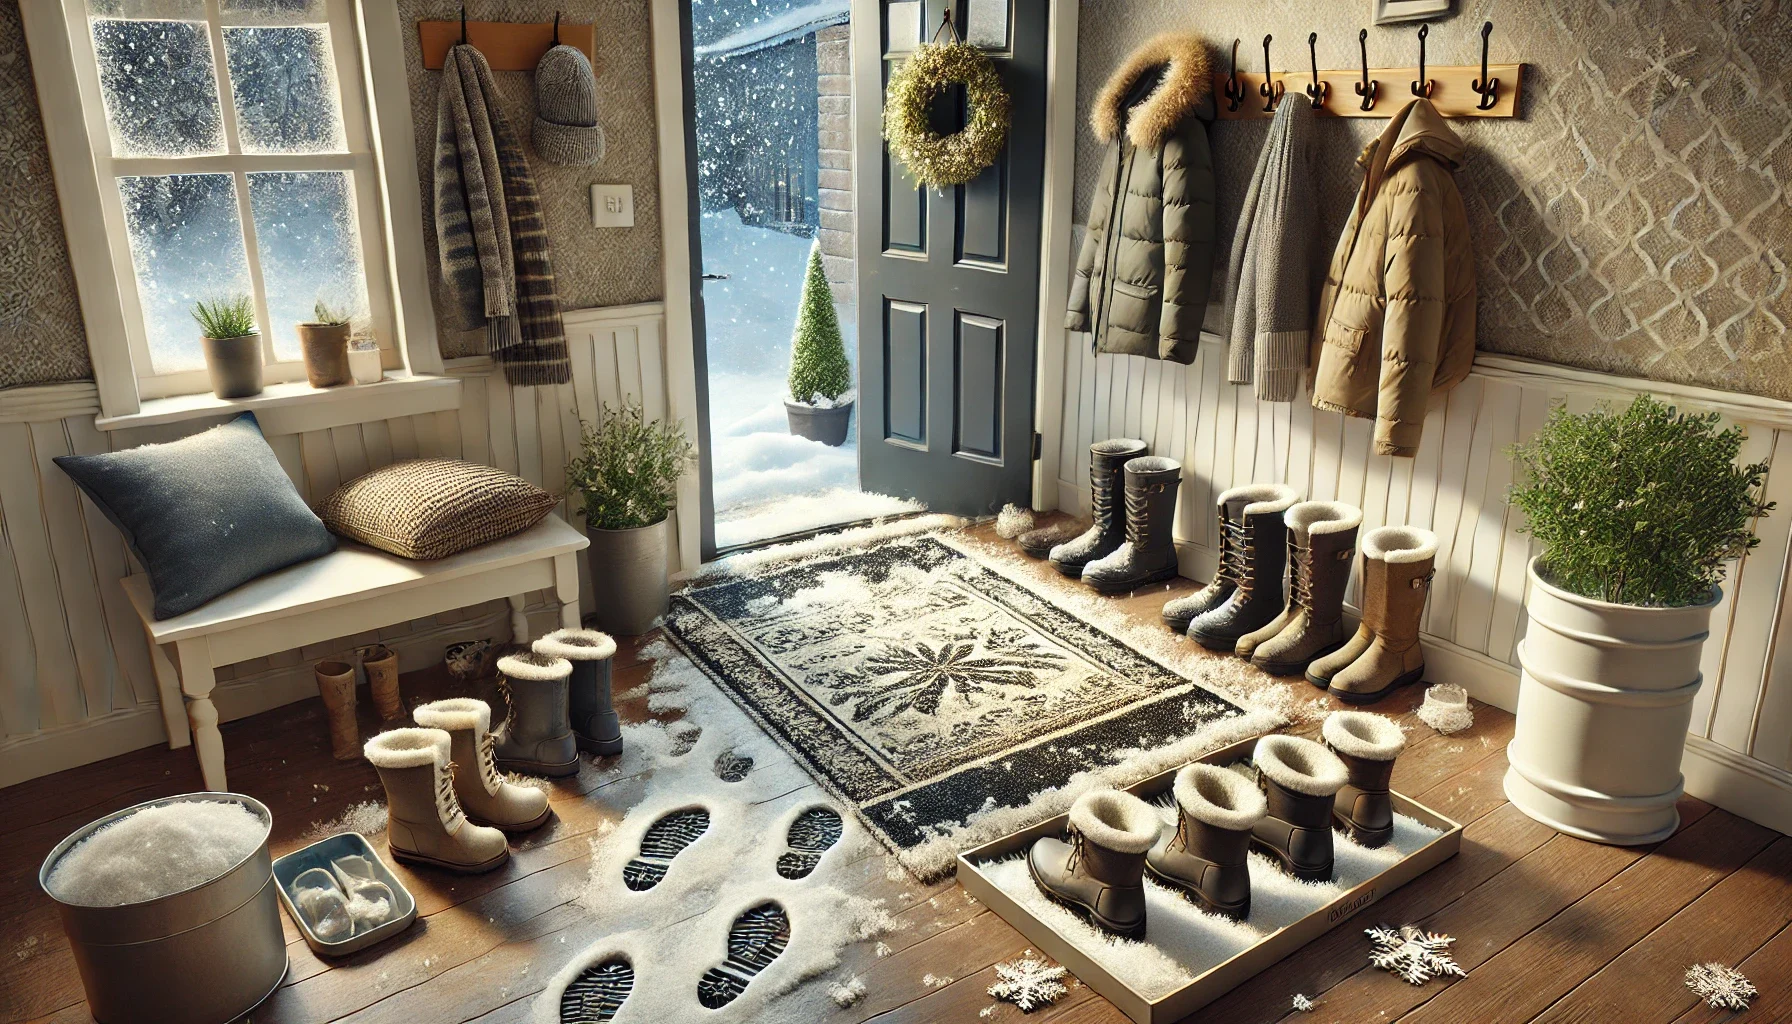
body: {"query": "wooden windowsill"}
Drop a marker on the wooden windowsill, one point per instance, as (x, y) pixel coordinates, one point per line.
(296, 407)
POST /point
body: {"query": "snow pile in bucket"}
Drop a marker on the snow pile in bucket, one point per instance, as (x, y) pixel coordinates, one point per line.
(156, 851)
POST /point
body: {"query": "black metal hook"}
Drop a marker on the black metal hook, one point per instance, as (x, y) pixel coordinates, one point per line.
(1487, 88)
(1368, 87)
(1234, 88)
(1422, 87)
(1270, 90)
(556, 28)
(1317, 91)
(463, 24)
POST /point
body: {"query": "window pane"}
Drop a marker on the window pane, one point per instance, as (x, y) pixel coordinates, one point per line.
(281, 10)
(305, 233)
(284, 81)
(161, 97)
(187, 245)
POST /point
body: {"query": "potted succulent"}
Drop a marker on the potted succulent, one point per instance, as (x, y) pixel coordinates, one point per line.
(1638, 511)
(820, 403)
(232, 345)
(626, 472)
(324, 341)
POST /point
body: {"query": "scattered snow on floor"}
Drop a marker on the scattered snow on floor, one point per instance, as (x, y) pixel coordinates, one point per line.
(804, 512)
(367, 817)
(157, 851)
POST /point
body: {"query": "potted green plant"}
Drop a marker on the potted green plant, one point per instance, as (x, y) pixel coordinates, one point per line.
(820, 403)
(324, 341)
(232, 345)
(1638, 512)
(626, 472)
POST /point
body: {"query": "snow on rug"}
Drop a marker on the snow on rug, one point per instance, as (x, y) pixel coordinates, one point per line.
(946, 700)
(725, 888)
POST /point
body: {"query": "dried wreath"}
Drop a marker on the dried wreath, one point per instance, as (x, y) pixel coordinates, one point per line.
(932, 159)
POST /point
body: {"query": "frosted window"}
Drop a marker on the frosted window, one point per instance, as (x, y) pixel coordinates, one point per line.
(281, 10)
(903, 25)
(284, 82)
(186, 245)
(161, 96)
(306, 237)
(988, 24)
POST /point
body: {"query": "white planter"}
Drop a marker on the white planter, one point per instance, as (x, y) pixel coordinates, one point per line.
(1603, 705)
(364, 365)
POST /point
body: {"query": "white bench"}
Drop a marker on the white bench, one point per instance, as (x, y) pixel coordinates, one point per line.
(352, 590)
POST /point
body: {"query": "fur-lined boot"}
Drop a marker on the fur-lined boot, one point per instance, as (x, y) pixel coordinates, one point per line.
(1100, 873)
(482, 792)
(1206, 856)
(425, 822)
(595, 727)
(1367, 744)
(536, 738)
(1299, 779)
(1384, 654)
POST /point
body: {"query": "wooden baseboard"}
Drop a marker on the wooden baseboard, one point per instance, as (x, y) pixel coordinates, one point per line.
(54, 750)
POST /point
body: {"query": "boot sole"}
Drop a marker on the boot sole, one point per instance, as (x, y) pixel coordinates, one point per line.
(598, 748)
(1213, 642)
(448, 865)
(527, 826)
(1323, 684)
(1086, 912)
(1295, 668)
(1352, 697)
(1039, 553)
(1237, 912)
(663, 841)
(1177, 625)
(1124, 586)
(538, 768)
(1074, 572)
(1289, 867)
(1368, 838)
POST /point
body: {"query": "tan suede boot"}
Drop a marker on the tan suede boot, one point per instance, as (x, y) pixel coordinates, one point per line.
(482, 792)
(1100, 873)
(1321, 545)
(1397, 570)
(426, 824)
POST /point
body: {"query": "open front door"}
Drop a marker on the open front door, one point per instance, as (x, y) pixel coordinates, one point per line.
(949, 282)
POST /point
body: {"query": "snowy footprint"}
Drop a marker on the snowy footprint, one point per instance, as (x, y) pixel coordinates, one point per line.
(732, 767)
(756, 939)
(664, 840)
(597, 993)
(812, 834)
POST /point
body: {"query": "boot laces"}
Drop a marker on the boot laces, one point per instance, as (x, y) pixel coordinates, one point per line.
(1138, 502)
(1300, 591)
(447, 804)
(1235, 556)
(1076, 852)
(488, 768)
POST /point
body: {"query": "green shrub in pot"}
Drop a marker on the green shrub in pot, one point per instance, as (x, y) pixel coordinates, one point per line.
(626, 473)
(1638, 510)
(232, 345)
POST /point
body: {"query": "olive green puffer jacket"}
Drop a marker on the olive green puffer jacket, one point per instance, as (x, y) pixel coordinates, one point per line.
(1147, 262)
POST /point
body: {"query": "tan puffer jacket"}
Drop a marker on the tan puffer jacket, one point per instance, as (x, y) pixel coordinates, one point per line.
(1397, 314)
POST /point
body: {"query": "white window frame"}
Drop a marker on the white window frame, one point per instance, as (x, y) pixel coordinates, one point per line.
(381, 157)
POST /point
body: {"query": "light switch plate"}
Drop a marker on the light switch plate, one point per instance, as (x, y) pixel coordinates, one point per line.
(613, 206)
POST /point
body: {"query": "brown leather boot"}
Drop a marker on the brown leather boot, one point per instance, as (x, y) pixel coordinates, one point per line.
(482, 792)
(1206, 857)
(1321, 545)
(1367, 744)
(1397, 569)
(425, 822)
(1100, 873)
(1107, 487)
(1299, 779)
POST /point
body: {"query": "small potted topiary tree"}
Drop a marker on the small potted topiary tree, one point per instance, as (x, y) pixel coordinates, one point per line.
(627, 471)
(1638, 511)
(232, 345)
(820, 403)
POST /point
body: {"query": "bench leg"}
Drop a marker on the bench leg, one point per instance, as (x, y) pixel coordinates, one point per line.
(196, 682)
(566, 589)
(174, 716)
(519, 623)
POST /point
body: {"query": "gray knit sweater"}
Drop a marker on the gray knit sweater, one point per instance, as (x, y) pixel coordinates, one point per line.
(1269, 304)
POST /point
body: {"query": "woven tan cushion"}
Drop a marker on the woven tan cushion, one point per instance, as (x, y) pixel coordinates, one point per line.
(432, 508)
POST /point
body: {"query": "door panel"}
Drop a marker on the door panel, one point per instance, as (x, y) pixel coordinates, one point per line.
(949, 280)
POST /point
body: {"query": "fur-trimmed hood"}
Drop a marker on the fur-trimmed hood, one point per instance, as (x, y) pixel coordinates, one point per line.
(1187, 82)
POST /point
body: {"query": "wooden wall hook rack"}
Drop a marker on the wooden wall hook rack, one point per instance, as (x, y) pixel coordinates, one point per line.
(507, 45)
(1452, 91)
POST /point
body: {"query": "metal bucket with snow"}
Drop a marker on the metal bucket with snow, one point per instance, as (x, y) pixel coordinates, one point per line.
(204, 955)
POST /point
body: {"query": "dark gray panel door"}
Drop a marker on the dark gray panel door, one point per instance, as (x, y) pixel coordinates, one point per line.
(949, 282)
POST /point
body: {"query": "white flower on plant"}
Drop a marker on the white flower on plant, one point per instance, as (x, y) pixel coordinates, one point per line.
(1028, 983)
(1412, 953)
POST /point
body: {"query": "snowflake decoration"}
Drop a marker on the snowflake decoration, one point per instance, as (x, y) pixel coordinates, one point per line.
(1302, 1004)
(1412, 953)
(1723, 988)
(1028, 983)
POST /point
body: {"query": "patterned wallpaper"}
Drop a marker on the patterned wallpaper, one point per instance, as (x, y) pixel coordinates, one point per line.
(41, 337)
(1637, 218)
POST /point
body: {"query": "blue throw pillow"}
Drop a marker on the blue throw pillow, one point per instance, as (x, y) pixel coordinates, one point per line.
(204, 514)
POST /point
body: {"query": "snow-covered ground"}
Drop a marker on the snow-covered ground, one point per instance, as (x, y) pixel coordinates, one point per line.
(768, 482)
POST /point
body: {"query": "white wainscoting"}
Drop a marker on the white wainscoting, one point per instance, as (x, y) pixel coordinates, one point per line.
(1740, 750)
(75, 679)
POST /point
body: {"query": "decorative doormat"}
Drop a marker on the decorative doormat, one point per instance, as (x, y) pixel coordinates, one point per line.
(944, 701)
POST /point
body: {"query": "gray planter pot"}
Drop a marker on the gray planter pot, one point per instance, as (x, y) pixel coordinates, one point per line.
(828, 426)
(234, 365)
(325, 347)
(628, 577)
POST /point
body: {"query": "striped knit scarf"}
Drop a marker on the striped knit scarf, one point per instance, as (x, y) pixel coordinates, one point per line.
(490, 234)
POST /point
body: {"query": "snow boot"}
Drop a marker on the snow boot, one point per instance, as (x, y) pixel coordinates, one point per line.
(1206, 857)
(536, 738)
(425, 822)
(1258, 547)
(1107, 472)
(1100, 873)
(1149, 552)
(1039, 542)
(1299, 779)
(595, 727)
(1384, 653)
(1321, 545)
(1177, 614)
(482, 792)
(1368, 745)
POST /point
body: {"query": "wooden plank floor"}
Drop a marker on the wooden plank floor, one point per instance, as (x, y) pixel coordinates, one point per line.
(1549, 928)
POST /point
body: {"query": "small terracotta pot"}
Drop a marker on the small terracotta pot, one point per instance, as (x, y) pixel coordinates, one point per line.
(234, 365)
(336, 684)
(381, 665)
(326, 353)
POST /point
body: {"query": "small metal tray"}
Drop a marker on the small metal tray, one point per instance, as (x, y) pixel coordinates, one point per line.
(320, 855)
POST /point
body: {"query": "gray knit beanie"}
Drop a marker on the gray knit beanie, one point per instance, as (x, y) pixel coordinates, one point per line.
(566, 128)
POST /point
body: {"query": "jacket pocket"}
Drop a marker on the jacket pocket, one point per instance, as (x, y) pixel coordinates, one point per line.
(1134, 308)
(1347, 340)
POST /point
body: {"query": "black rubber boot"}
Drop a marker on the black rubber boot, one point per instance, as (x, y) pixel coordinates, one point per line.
(1107, 471)
(1178, 613)
(1299, 779)
(1149, 552)
(1260, 548)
